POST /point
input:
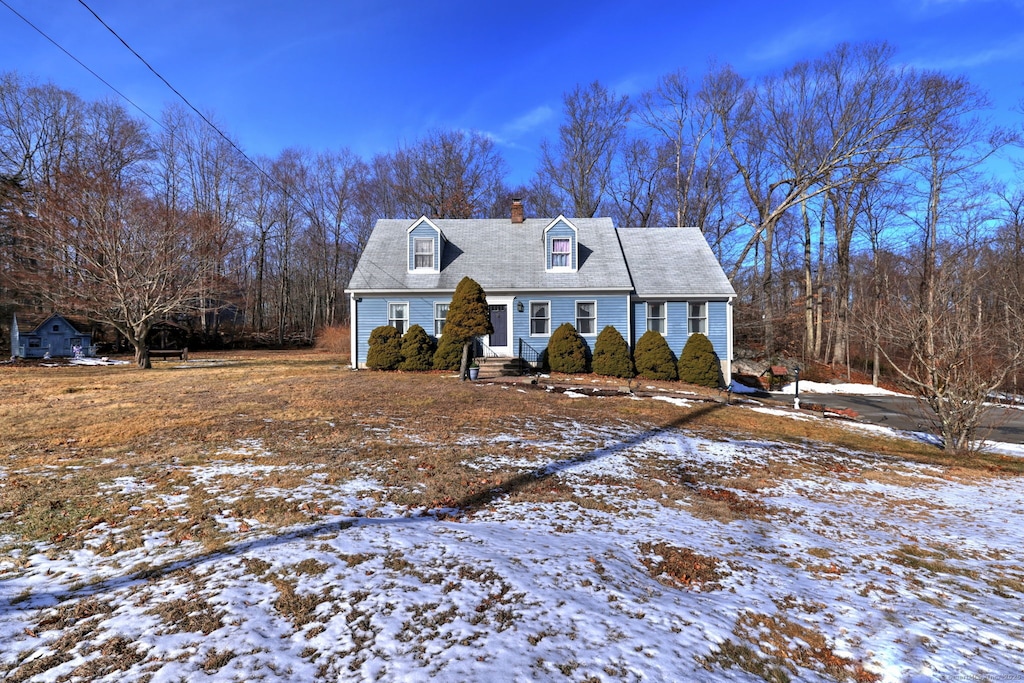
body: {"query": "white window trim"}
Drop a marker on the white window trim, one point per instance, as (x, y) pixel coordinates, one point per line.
(689, 317)
(577, 306)
(546, 303)
(433, 253)
(436, 304)
(405, 319)
(664, 308)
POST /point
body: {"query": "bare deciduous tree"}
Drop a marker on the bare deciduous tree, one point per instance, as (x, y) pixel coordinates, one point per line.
(114, 253)
(580, 162)
(448, 174)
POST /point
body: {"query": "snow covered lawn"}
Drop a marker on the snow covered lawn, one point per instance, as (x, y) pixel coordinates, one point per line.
(857, 567)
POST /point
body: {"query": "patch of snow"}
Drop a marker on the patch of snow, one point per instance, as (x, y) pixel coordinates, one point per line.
(97, 361)
(781, 412)
(737, 388)
(683, 402)
(527, 590)
(808, 387)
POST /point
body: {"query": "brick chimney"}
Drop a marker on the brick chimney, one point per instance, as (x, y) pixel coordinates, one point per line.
(517, 210)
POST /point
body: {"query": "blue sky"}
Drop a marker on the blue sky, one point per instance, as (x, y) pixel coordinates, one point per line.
(370, 75)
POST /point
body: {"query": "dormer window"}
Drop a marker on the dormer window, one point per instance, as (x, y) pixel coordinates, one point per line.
(424, 247)
(560, 246)
(424, 253)
(561, 252)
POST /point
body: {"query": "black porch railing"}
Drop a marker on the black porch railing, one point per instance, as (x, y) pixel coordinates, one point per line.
(529, 355)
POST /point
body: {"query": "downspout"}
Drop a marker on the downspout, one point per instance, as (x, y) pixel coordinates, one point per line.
(729, 341)
(354, 331)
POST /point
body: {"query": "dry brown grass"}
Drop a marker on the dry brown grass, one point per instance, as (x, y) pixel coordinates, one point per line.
(70, 433)
(773, 646)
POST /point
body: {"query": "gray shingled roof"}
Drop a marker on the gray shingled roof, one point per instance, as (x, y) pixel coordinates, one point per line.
(496, 253)
(672, 262)
(502, 256)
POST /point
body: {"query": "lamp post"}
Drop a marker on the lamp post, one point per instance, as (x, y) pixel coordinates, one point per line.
(796, 393)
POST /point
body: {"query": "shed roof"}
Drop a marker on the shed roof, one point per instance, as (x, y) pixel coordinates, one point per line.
(30, 323)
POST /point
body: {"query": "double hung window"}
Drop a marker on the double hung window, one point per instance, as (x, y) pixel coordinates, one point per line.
(398, 317)
(586, 317)
(540, 318)
(424, 253)
(561, 252)
(697, 322)
(440, 316)
(656, 317)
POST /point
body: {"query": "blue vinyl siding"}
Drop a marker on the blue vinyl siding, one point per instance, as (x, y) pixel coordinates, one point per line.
(718, 328)
(611, 310)
(677, 325)
(373, 312)
(639, 322)
(561, 231)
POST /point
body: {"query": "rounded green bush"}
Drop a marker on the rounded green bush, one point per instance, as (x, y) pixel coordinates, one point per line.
(385, 352)
(699, 364)
(567, 352)
(417, 350)
(611, 354)
(449, 353)
(653, 357)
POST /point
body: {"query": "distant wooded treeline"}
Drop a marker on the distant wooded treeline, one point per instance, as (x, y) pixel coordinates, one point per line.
(849, 198)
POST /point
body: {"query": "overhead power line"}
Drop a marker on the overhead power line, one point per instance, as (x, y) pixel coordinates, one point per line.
(274, 181)
(184, 99)
(80, 63)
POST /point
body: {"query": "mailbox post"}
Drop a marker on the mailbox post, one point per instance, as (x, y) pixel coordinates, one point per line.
(796, 394)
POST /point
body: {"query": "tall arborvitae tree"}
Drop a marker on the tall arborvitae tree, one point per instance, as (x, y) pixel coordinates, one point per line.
(468, 318)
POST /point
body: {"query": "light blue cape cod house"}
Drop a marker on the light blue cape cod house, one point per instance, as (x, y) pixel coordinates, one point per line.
(538, 274)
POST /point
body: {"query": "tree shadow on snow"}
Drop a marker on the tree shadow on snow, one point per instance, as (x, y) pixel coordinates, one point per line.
(467, 505)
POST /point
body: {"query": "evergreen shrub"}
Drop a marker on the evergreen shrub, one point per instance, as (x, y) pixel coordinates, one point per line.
(385, 352)
(417, 350)
(611, 354)
(449, 353)
(699, 364)
(653, 357)
(567, 352)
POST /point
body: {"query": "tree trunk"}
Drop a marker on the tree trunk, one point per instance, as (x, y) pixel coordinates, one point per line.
(464, 367)
(808, 285)
(142, 356)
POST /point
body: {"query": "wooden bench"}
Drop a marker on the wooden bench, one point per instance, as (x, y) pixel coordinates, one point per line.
(181, 354)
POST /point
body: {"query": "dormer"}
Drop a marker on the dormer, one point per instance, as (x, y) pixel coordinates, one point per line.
(425, 243)
(561, 246)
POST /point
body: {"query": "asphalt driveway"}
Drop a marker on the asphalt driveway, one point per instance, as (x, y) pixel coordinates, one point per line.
(906, 413)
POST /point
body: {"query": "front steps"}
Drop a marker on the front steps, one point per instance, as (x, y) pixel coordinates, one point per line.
(494, 368)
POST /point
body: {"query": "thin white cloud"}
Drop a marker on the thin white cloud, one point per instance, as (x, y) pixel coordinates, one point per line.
(522, 126)
(531, 120)
(818, 33)
(1013, 50)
